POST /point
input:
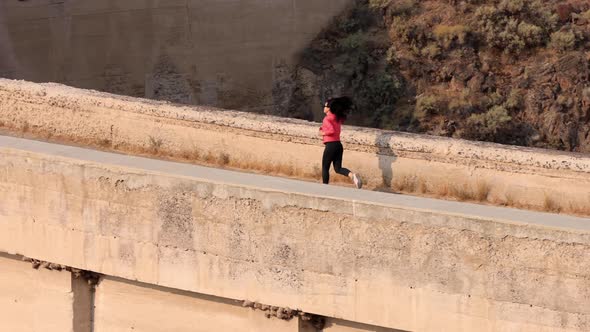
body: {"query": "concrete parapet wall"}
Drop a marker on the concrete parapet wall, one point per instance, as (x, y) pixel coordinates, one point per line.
(437, 166)
(378, 264)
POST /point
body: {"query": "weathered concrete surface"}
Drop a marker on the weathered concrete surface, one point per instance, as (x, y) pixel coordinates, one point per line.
(34, 300)
(445, 167)
(337, 325)
(234, 54)
(126, 306)
(371, 258)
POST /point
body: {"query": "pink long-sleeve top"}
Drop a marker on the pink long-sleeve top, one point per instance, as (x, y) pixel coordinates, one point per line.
(331, 127)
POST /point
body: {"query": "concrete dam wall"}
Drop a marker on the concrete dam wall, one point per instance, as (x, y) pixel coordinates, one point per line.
(423, 165)
(180, 242)
(231, 54)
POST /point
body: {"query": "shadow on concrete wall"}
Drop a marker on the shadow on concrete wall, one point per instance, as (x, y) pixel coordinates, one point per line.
(386, 157)
(301, 92)
(9, 65)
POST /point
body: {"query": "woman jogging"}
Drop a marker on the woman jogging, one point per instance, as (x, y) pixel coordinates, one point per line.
(336, 110)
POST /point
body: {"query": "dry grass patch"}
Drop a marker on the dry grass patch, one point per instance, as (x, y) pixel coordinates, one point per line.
(509, 199)
(223, 159)
(105, 143)
(155, 144)
(422, 187)
(461, 192)
(466, 192)
(482, 191)
(26, 127)
(405, 183)
(580, 209)
(441, 190)
(551, 205)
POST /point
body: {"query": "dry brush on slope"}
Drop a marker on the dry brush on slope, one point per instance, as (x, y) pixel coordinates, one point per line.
(507, 71)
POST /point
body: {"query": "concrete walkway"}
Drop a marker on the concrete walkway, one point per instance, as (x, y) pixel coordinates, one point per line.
(500, 214)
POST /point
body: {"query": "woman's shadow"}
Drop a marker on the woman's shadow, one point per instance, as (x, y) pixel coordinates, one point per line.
(386, 157)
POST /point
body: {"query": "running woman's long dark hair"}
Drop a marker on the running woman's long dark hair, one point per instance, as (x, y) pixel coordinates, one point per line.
(340, 107)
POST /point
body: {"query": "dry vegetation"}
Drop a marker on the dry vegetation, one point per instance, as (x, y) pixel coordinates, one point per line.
(480, 193)
(507, 71)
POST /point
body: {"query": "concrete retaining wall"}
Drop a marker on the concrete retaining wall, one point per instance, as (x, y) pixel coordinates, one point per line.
(415, 270)
(521, 177)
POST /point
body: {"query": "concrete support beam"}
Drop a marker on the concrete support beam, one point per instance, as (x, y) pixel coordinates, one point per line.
(124, 305)
(34, 300)
(83, 304)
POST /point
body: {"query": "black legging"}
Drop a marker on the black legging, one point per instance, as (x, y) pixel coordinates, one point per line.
(333, 154)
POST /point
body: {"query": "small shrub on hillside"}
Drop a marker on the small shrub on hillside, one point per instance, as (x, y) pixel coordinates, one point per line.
(431, 51)
(401, 7)
(563, 40)
(462, 103)
(447, 35)
(360, 17)
(391, 56)
(490, 100)
(460, 106)
(426, 106)
(511, 6)
(530, 33)
(352, 41)
(565, 101)
(486, 125)
(378, 93)
(514, 100)
(379, 3)
(411, 34)
(354, 55)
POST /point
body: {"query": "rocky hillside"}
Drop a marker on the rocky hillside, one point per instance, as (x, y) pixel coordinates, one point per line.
(507, 71)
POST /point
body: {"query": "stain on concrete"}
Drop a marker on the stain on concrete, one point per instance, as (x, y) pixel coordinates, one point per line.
(127, 252)
(175, 218)
(92, 278)
(285, 313)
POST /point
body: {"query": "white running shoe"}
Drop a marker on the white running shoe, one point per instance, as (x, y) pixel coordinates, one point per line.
(357, 181)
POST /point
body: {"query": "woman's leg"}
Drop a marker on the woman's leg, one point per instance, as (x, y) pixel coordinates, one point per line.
(344, 171)
(338, 161)
(327, 159)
